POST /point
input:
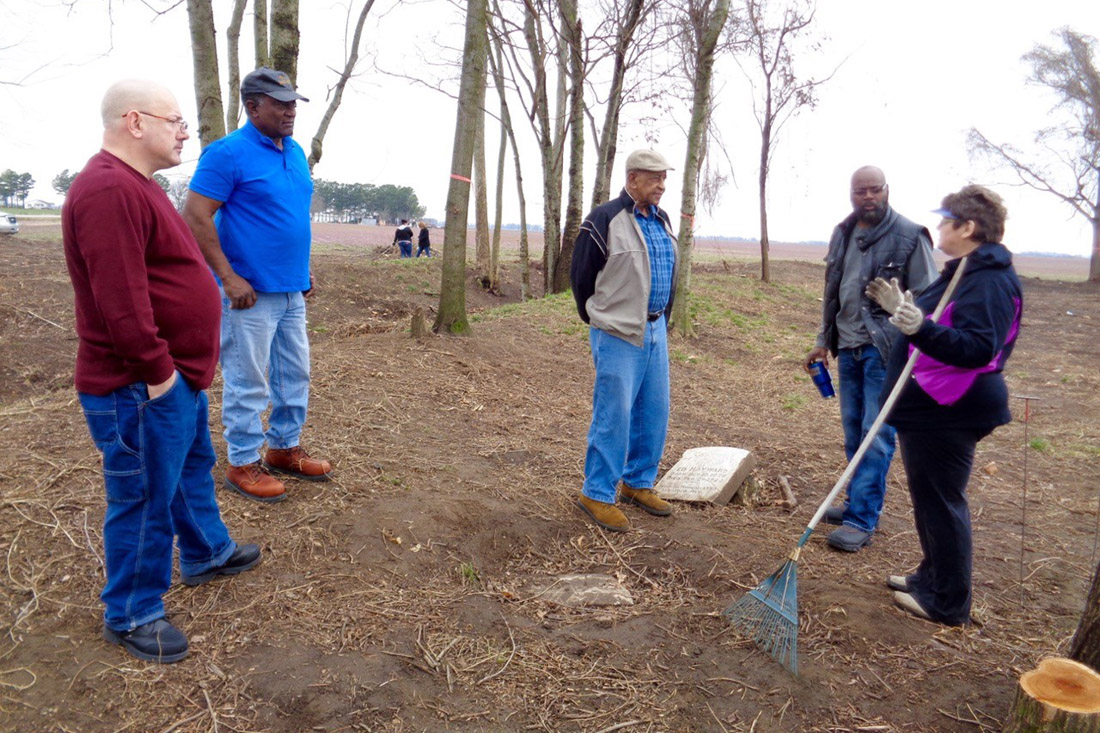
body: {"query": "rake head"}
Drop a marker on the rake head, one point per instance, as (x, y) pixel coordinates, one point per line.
(768, 614)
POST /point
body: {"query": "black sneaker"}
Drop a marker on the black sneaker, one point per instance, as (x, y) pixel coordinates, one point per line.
(835, 514)
(245, 557)
(849, 539)
(156, 641)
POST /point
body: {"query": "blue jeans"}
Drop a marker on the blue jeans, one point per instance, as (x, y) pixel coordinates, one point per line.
(629, 412)
(406, 248)
(265, 360)
(157, 459)
(862, 373)
(424, 249)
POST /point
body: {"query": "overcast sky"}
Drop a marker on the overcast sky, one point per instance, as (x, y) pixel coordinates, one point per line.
(913, 78)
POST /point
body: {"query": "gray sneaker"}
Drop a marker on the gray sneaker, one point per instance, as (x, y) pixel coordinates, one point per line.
(898, 582)
(849, 539)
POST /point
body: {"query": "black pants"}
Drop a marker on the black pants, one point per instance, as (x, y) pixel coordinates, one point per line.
(937, 464)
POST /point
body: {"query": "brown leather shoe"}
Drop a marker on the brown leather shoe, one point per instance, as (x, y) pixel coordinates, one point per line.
(254, 482)
(296, 462)
(607, 516)
(647, 499)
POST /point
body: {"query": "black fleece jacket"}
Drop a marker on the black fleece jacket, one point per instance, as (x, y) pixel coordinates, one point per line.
(957, 382)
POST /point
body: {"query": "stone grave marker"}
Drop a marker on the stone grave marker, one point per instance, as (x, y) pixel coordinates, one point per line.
(711, 474)
(585, 589)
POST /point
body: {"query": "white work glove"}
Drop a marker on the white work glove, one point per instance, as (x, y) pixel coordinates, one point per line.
(886, 294)
(908, 317)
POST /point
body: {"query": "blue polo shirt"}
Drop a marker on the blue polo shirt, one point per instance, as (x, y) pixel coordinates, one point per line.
(263, 222)
(662, 257)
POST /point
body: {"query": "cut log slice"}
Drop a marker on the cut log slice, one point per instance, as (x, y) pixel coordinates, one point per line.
(1061, 695)
(1065, 684)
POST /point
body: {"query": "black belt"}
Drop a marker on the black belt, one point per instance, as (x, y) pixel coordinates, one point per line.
(654, 316)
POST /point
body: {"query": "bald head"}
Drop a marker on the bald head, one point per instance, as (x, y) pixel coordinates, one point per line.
(129, 94)
(869, 173)
(870, 195)
(142, 125)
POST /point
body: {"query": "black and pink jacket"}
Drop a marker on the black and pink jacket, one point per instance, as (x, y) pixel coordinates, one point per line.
(957, 381)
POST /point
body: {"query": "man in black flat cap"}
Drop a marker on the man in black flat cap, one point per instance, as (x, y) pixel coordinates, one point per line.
(257, 181)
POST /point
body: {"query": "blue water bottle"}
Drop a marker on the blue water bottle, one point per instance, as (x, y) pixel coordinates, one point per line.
(822, 379)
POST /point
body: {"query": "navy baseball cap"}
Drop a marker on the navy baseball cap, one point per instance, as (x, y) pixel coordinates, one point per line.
(275, 84)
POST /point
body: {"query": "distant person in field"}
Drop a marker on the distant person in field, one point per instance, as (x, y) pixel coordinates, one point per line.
(249, 209)
(147, 315)
(624, 281)
(956, 396)
(424, 245)
(403, 238)
(873, 241)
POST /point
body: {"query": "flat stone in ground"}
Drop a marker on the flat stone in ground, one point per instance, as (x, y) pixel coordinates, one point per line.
(711, 474)
(585, 589)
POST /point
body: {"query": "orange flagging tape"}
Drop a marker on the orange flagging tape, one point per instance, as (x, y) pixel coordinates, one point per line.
(460, 178)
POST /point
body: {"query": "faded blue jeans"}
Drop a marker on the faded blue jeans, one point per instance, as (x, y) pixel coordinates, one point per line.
(862, 373)
(630, 403)
(265, 360)
(157, 460)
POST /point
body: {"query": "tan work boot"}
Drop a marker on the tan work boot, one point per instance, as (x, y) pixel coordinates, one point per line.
(647, 499)
(296, 462)
(253, 481)
(607, 516)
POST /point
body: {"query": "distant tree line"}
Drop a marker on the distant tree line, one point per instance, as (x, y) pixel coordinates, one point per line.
(336, 201)
(15, 187)
(64, 180)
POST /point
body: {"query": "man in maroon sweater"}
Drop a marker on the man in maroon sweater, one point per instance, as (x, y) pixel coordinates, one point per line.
(147, 314)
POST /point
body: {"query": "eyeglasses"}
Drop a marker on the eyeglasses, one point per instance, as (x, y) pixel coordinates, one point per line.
(178, 122)
(873, 190)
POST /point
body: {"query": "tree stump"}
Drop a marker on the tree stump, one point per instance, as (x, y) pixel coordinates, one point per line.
(1061, 696)
(418, 327)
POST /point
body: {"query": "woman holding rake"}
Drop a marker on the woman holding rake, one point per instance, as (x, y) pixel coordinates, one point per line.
(956, 395)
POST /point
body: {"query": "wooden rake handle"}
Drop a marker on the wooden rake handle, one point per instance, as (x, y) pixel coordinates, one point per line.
(883, 413)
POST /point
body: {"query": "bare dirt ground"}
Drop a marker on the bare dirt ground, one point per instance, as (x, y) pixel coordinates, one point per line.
(401, 596)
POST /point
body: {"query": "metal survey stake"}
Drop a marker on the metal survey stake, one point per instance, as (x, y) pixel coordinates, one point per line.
(1023, 505)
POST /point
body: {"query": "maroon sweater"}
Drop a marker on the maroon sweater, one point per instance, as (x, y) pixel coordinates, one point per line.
(146, 302)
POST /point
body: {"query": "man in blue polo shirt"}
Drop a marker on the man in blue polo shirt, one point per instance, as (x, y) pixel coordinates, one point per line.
(248, 207)
(624, 280)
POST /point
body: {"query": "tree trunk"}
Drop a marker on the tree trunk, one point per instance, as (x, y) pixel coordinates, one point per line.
(571, 34)
(285, 37)
(481, 204)
(451, 316)
(204, 55)
(696, 147)
(1085, 647)
(233, 90)
(1094, 264)
(316, 147)
(506, 125)
(498, 214)
(548, 150)
(560, 115)
(609, 138)
(1061, 696)
(765, 150)
(259, 26)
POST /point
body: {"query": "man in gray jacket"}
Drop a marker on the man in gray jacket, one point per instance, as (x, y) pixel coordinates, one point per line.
(873, 241)
(624, 280)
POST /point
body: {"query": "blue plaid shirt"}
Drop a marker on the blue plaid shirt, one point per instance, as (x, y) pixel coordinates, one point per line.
(662, 257)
